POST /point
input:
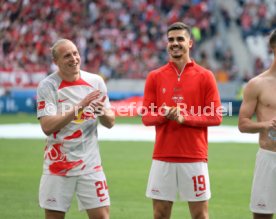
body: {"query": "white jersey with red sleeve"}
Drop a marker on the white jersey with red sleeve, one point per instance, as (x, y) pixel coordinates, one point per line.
(74, 149)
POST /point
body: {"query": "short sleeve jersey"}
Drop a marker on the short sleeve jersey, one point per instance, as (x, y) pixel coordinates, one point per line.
(72, 150)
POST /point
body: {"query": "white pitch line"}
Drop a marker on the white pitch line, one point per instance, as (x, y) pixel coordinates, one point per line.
(128, 132)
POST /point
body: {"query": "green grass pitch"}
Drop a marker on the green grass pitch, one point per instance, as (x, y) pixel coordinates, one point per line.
(126, 165)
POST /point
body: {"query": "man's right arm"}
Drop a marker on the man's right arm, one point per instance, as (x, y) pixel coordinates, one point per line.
(150, 115)
(248, 108)
(53, 123)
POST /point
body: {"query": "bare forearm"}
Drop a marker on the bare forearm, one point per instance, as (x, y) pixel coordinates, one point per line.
(248, 126)
(51, 124)
(108, 118)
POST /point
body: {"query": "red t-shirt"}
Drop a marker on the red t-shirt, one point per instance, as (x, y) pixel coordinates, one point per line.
(195, 89)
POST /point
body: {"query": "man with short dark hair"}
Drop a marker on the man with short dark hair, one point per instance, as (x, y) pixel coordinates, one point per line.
(181, 100)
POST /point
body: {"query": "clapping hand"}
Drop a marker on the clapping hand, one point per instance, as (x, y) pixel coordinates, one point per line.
(98, 106)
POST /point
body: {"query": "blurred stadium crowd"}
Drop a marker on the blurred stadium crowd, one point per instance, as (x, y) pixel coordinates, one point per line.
(121, 38)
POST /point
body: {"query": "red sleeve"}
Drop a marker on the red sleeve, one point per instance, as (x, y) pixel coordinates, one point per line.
(211, 114)
(150, 116)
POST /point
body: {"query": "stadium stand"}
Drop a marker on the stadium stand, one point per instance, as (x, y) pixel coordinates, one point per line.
(119, 39)
(124, 39)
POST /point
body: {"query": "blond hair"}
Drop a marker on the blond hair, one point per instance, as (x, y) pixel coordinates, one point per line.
(56, 44)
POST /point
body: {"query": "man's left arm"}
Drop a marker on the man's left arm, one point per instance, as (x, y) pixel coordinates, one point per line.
(211, 114)
(107, 118)
(103, 107)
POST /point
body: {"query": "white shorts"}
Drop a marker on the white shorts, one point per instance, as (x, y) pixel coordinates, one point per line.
(56, 192)
(188, 180)
(263, 196)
